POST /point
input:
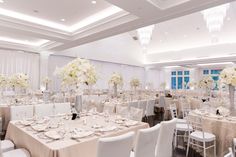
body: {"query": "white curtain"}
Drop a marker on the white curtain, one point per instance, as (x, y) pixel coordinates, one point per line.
(12, 61)
(104, 69)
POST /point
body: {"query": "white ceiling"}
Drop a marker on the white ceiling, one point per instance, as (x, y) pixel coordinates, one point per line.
(86, 22)
(55, 10)
(190, 31)
(36, 25)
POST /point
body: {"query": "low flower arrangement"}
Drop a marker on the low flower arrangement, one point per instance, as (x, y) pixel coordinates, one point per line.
(19, 80)
(228, 76)
(134, 82)
(116, 79)
(3, 81)
(206, 82)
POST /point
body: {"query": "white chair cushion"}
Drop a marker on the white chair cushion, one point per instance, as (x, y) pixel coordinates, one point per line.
(183, 127)
(16, 153)
(7, 145)
(198, 135)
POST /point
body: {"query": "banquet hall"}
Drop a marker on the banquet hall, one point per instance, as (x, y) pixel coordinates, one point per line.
(117, 78)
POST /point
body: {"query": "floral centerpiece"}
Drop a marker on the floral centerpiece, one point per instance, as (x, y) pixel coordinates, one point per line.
(206, 82)
(3, 81)
(19, 80)
(115, 80)
(228, 77)
(134, 83)
(76, 72)
(163, 86)
(46, 82)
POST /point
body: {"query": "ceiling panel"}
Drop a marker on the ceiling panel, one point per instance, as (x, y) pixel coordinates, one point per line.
(55, 10)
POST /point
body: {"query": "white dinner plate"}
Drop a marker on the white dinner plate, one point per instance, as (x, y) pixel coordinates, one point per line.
(81, 134)
(53, 135)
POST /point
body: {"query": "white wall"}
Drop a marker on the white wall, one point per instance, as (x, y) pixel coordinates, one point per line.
(12, 62)
(105, 70)
(117, 49)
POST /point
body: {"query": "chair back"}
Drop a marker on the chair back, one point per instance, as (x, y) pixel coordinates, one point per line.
(133, 104)
(150, 108)
(21, 112)
(162, 101)
(196, 123)
(62, 108)
(146, 142)
(230, 154)
(119, 146)
(122, 110)
(142, 105)
(42, 110)
(136, 114)
(165, 139)
(109, 108)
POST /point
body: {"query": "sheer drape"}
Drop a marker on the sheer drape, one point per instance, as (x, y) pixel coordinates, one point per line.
(12, 61)
(104, 69)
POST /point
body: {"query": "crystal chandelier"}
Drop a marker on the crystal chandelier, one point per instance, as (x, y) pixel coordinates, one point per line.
(214, 17)
(145, 35)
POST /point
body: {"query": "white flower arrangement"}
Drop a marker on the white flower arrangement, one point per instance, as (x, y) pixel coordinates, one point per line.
(78, 71)
(19, 80)
(46, 80)
(206, 82)
(3, 81)
(116, 79)
(163, 85)
(228, 76)
(134, 82)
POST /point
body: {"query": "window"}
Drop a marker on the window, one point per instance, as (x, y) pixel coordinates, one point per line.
(214, 73)
(180, 79)
(205, 72)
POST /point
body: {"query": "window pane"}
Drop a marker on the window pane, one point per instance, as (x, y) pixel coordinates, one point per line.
(173, 73)
(186, 72)
(180, 82)
(180, 72)
(217, 71)
(173, 82)
(186, 81)
(205, 72)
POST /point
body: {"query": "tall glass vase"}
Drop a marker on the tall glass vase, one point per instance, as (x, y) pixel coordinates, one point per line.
(115, 92)
(231, 99)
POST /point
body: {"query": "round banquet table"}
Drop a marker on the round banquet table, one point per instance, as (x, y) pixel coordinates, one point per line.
(223, 128)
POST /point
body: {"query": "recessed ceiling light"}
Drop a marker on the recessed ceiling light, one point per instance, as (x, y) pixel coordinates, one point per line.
(63, 20)
(1, 1)
(228, 19)
(185, 36)
(93, 2)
